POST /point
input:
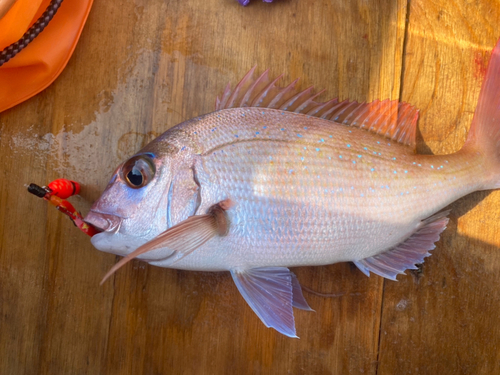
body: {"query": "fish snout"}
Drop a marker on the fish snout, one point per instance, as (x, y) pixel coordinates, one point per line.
(104, 222)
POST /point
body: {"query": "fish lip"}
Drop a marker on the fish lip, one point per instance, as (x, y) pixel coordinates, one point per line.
(105, 222)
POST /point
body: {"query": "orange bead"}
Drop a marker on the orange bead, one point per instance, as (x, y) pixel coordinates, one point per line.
(64, 188)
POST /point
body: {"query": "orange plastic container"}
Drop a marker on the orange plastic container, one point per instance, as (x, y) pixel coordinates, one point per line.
(39, 64)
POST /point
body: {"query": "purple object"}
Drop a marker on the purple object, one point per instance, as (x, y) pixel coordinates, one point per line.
(246, 2)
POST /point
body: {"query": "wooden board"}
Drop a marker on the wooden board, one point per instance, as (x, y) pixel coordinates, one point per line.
(144, 66)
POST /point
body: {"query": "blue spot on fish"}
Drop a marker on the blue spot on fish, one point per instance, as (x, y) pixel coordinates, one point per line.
(305, 127)
(359, 156)
(317, 149)
(282, 129)
(321, 140)
(183, 148)
(340, 156)
(298, 135)
(236, 135)
(265, 127)
(406, 171)
(432, 166)
(394, 158)
(331, 136)
(364, 148)
(395, 172)
(257, 133)
(354, 162)
(372, 169)
(348, 145)
(290, 171)
(302, 158)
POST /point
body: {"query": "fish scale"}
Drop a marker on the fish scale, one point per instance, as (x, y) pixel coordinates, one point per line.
(277, 178)
(255, 190)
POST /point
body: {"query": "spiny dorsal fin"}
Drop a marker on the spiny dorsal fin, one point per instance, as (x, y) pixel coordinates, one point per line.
(391, 119)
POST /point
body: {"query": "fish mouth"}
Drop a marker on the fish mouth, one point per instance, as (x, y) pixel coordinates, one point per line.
(104, 222)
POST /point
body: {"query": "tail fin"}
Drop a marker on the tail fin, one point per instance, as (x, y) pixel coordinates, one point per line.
(484, 134)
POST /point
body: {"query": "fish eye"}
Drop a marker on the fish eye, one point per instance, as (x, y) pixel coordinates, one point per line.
(138, 171)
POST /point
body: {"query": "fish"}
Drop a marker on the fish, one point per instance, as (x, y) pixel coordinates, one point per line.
(274, 179)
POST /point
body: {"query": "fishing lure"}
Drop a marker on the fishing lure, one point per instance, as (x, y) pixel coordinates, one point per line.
(56, 194)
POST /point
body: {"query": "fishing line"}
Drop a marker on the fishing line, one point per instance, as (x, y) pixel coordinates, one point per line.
(329, 295)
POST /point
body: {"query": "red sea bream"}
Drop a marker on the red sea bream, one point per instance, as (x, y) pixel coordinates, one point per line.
(274, 179)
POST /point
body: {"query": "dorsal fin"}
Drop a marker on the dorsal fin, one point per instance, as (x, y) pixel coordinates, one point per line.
(389, 118)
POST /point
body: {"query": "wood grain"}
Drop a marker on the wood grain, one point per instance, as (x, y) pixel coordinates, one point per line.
(144, 66)
(443, 320)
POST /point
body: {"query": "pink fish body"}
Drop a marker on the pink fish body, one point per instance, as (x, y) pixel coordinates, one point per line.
(274, 179)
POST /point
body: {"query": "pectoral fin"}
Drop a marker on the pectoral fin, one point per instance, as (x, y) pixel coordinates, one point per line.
(184, 237)
(408, 253)
(271, 293)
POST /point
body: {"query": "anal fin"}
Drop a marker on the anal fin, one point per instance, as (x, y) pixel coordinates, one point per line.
(272, 292)
(408, 253)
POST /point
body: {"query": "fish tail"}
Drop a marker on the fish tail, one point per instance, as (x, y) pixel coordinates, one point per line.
(484, 134)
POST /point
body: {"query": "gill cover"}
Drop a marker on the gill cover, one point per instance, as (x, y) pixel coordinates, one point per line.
(132, 208)
(148, 194)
